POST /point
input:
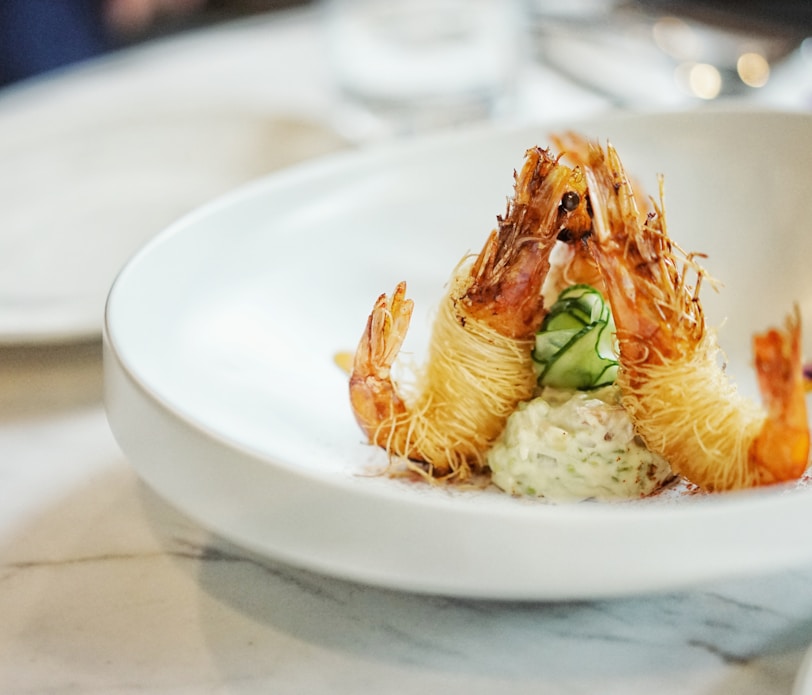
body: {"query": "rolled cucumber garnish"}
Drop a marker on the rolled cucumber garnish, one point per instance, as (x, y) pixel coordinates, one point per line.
(576, 347)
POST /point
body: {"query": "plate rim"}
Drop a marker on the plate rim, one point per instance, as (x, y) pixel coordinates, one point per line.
(79, 316)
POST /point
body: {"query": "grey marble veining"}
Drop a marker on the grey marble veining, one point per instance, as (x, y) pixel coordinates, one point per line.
(104, 587)
(107, 588)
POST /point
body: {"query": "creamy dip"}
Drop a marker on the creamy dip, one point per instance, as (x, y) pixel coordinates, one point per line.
(575, 445)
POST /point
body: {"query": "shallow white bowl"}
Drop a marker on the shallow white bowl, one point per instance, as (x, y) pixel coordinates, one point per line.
(221, 388)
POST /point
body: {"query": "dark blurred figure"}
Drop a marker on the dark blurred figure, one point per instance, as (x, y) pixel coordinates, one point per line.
(40, 35)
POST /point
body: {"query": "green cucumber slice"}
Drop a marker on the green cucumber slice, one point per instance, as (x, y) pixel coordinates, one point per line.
(549, 344)
(578, 364)
(576, 346)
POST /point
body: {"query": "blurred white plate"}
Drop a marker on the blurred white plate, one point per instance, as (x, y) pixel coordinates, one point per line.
(82, 193)
(221, 387)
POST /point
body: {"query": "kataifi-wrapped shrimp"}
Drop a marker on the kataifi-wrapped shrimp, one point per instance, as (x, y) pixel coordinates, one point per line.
(680, 400)
(479, 365)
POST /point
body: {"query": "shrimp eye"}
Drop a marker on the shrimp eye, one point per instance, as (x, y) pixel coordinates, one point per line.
(570, 200)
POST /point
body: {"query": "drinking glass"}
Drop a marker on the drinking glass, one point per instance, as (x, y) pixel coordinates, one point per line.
(407, 66)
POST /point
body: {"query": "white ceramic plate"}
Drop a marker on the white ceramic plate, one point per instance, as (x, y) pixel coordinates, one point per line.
(82, 193)
(221, 387)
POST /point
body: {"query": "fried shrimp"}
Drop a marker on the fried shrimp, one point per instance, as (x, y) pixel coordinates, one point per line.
(679, 398)
(478, 366)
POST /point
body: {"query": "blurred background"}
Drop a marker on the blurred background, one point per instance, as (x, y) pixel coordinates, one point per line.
(37, 36)
(717, 47)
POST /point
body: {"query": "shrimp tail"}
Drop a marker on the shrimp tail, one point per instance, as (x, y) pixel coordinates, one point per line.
(376, 403)
(780, 451)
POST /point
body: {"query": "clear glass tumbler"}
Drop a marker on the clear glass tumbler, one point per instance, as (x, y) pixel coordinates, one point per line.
(406, 66)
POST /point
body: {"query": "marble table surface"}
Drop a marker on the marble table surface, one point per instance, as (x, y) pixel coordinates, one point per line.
(106, 588)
